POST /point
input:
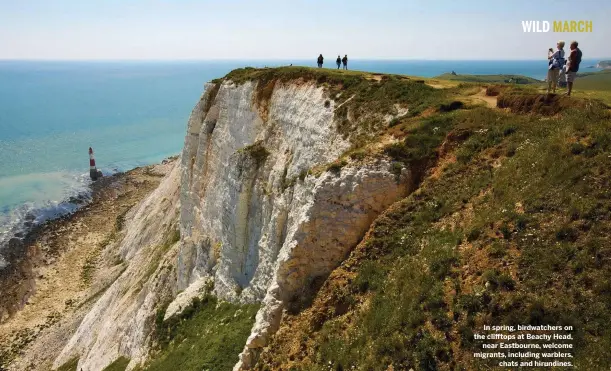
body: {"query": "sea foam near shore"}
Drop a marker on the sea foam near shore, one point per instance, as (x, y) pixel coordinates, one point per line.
(57, 194)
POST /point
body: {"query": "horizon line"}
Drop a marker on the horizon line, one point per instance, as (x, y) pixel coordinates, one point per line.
(280, 60)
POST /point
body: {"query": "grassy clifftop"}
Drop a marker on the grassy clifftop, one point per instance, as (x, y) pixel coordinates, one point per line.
(596, 85)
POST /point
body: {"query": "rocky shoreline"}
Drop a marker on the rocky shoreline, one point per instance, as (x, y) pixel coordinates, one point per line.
(58, 268)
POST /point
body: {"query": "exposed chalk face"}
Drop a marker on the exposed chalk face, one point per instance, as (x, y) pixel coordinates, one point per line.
(235, 206)
(258, 225)
(252, 221)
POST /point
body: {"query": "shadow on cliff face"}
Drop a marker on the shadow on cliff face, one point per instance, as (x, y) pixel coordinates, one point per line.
(249, 215)
(304, 297)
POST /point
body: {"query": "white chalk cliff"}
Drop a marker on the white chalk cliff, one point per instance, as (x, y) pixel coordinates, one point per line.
(251, 218)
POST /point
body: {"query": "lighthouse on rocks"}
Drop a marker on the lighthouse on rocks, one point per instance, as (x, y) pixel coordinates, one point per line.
(94, 173)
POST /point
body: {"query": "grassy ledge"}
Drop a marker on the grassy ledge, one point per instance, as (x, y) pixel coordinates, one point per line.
(119, 365)
(209, 334)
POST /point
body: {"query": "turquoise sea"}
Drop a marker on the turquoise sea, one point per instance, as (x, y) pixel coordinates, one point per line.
(131, 113)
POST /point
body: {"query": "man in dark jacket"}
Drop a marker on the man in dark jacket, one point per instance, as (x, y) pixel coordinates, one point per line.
(572, 66)
(338, 61)
(320, 61)
(345, 61)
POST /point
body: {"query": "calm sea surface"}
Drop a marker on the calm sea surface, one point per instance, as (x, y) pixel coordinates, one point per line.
(131, 113)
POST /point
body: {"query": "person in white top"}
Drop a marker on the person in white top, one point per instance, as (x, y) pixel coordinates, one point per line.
(556, 60)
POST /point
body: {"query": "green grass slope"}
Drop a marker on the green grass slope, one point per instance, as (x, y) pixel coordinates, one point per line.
(595, 81)
(594, 85)
(516, 231)
(208, 335)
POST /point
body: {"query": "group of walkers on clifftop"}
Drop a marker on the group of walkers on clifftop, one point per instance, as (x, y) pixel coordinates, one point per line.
(561, 69)
(339, 61)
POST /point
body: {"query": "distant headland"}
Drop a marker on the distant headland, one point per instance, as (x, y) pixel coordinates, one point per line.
(604, 64)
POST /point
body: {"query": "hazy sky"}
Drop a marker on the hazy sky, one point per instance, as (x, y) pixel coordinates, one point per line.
(274, 29)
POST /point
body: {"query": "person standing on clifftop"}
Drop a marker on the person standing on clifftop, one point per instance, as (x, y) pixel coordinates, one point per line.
(320, 61)
(338, 61)
(345, 61)
(557, 61)
(572, 66)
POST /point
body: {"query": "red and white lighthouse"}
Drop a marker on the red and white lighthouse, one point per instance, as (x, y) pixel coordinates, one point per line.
(94, 173)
